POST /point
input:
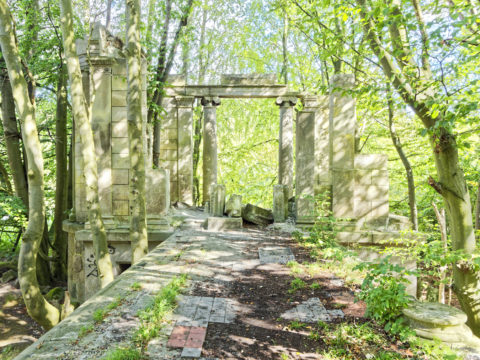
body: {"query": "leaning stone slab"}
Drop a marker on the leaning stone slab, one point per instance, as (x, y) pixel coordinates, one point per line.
(310, 311)
(257, 215)
(233, 207)
(439, 321)
(223, 224)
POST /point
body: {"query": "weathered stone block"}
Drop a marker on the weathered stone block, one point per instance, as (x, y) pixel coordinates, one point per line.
(344, 237)
(257, 215)
(169, 121)
(119, 82)
(343, 199)
(363, 177)
(120, 192)
(371, 161)
(248, 79)
(120, 161)
(120, 207)
(380, 209)
(371, 193)
(120, 177)
(172, 167)
(343, 152)
(168, 144)
(280, 203)
(158, 191)
(223, 223)
(119, 145)
(380, 177)
(119, 113)
(169, 155)
(169, 134)
(120, 129)
(233, 207)
(217, 199)
(119, 98)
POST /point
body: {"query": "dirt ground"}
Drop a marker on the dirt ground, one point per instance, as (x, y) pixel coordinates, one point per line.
(17, 329)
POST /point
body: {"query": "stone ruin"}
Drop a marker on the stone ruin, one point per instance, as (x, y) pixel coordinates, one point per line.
(326, 163)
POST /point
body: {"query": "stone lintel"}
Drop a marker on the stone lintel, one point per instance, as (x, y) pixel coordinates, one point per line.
(230, 91)
(313, 102)
(248, 79)
(286, 101)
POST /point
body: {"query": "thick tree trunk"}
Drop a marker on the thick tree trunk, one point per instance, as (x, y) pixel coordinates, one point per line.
(138, 218)
(412, 202)
(79, 105)
(12, 141)
(38, 308)
(453, 188)
(59, 268)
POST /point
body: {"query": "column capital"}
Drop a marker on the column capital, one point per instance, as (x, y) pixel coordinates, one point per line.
(184, 101)
(211, 101)
(285, 101)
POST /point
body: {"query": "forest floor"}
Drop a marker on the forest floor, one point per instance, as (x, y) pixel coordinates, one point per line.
(255, 294)
(17, 329)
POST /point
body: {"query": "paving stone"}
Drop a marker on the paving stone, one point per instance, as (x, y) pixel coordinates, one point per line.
(336, 314)
(196, 337)
(179, 336)
(275, 254)
(310, 311)
(191, 352)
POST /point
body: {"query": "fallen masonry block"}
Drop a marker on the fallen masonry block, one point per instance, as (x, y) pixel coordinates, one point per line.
(233, 207)
(222, 224)
(257, 215)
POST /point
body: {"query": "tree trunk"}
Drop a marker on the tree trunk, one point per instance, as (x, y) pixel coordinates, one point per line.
(442, 225)
(12, 141)
(285, 48)
(5, 178)
(477, 209)
(79, 105)
(59, 266)
(412, 202)
(138, 218)
(109, 15)
(38, 308)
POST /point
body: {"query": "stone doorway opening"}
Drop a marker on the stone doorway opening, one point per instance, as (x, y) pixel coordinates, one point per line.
(247, 132)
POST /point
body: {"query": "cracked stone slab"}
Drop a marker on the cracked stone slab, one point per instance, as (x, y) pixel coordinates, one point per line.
(310, 311)
(275, 254)
(200, 310)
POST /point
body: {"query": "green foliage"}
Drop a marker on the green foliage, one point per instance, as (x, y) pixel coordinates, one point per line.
(384, 292)
(99, 315)
(136, 286)
(296, 325)
(296, 284)
(153, 316)
(128, 353)
(86, 329)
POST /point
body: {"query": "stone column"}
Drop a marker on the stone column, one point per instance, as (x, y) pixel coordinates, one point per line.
(305, 160)
(209, 144)
(342, 145)
(185, 148)
(285, 141)
(280, 203)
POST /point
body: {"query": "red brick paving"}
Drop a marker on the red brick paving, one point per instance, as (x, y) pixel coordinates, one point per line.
(196, 337)
(179, 337)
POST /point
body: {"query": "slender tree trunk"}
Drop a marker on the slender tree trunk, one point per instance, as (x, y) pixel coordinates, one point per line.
(138, 218)
(285, 48)
(442, 225)
(38, 308)
(59, 268)
(477, 209)
(5, 178)
(412, 202)
(12, 141)
(80, 109)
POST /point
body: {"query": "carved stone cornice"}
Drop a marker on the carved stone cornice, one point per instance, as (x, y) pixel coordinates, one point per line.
(211, 101)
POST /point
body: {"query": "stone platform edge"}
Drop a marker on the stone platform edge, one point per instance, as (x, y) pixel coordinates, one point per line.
(61, 338)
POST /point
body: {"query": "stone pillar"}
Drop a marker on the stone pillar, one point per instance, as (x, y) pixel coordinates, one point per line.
(280, 203)
(217, 200)
(305, 160)
(185, 148)
(209, 144)
(285, 143)
(168, 157)
(342, 145)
